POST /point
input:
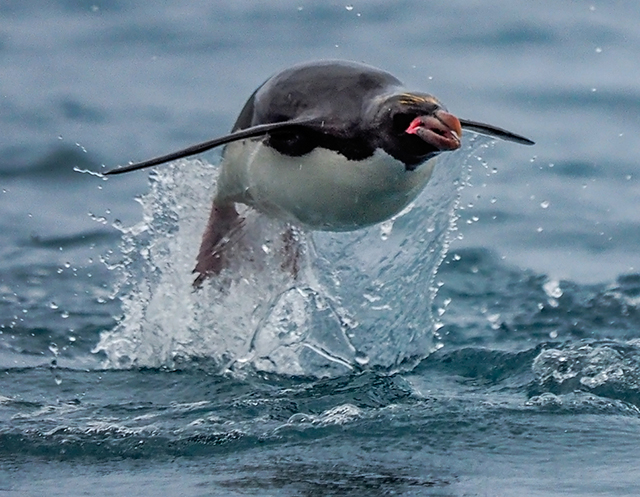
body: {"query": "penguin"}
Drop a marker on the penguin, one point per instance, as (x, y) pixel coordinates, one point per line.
(326, 145)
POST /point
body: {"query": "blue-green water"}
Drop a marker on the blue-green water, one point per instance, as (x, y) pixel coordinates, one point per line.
(520, 377)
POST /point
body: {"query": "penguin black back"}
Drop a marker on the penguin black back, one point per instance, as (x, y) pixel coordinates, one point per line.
(329, 96)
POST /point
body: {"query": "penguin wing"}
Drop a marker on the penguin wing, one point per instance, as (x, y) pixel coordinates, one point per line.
(251, 132)
(488, 129)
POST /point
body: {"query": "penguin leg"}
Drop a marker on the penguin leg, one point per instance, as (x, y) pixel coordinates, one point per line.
(292, 251)
(224, 222)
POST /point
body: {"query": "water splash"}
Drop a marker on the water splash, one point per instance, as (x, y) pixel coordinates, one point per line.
(360, 300)
(608, 368)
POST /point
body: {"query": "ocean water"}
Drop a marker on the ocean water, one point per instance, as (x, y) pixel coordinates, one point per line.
(486, 341)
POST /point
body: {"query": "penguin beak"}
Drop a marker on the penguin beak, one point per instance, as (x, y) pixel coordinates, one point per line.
(440, 129)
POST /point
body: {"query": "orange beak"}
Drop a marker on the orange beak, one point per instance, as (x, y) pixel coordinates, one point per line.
(442, 130)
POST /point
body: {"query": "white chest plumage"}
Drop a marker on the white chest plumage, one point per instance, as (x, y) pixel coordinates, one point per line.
(321, 190)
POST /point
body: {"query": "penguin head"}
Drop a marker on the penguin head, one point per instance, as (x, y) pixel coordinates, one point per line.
(413, 127)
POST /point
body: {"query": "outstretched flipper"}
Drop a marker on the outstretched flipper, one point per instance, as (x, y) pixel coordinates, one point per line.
(288, 127)
(223, 228)
(242, 134)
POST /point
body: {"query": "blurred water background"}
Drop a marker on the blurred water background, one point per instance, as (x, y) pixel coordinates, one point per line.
(520, 376)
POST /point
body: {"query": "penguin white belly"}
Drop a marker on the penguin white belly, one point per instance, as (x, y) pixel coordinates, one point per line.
(322, 189)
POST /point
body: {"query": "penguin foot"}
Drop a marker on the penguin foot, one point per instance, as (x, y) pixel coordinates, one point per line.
(292, 252)
(223, 229)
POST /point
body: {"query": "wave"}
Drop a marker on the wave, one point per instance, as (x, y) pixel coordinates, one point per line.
(606, 368)
(154, 413)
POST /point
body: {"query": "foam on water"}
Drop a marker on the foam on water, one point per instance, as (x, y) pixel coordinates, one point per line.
(360, 299)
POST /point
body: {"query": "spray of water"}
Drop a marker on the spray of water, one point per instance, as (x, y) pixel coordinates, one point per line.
(360, 300)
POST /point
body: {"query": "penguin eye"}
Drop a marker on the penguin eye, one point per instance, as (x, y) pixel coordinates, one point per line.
(401, 122)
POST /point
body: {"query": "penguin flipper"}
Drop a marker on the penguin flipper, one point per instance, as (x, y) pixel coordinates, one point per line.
(241, 134)
(488, 129)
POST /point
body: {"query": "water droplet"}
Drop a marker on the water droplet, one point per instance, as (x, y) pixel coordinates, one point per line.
(544, 204)
(385, 229)
(361, 358)
(371, 298)
(598, 50)
(540, 229)
(552, 289)
(349, 7)
(298, 418)
(553, 334)
(494, 320)
(347, 322)
(64, 315)
(53, 305)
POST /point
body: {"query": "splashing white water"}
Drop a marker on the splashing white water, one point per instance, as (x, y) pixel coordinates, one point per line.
(361, 299)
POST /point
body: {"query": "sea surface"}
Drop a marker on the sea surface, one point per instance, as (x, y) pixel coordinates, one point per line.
(486, 341)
